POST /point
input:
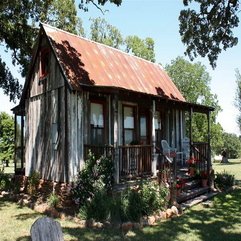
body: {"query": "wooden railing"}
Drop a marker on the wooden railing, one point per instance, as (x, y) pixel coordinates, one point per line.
(135, 161)
(201, 153)
(99, 151)
(165, 168)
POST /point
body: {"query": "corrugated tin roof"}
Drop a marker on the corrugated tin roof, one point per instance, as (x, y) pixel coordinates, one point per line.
(89, 63)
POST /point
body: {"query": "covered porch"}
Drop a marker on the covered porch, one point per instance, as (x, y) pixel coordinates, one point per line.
(142, 156)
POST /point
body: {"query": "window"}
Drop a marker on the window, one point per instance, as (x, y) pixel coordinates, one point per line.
(129, 125)
(97, 123)
(44, 62)
(143, 130)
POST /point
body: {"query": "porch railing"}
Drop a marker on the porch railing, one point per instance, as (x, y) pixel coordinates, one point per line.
(99, 151)
(201, 153)
(134, 161)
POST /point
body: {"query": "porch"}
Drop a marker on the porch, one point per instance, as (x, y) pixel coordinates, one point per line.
(134, 162)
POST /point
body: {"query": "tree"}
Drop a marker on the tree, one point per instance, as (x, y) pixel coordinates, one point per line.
(193, 81)
(6, 137)
(232, 145)
(209, 30)
(143, 48)
(84, 3)
(18, 21)
(105, 33)
(238, 97)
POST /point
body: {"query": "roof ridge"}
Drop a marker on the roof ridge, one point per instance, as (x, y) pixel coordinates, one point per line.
(89, 40)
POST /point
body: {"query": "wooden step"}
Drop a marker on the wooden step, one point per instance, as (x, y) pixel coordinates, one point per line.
(191, 193)
(201, 198)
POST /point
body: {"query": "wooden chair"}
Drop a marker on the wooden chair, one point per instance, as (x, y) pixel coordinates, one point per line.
(46, 229)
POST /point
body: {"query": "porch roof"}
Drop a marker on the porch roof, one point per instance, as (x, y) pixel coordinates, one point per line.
(87, 63)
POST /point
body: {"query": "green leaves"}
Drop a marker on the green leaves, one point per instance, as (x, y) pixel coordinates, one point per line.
(209, 30)
(193, 81)
(6, 137)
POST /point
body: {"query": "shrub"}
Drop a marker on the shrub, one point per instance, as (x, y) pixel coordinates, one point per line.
(99, 207)
(95, 176)
(224, 180)
(153, 197)
(5, 183)
(53, 200)
(33, 181)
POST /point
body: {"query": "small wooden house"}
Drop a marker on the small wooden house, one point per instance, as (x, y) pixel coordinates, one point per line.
(81, 95)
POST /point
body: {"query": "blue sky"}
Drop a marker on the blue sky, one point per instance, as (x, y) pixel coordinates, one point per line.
(158, 19)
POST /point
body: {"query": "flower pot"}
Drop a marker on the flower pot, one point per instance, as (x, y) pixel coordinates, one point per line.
(192, 171)
(204, 182)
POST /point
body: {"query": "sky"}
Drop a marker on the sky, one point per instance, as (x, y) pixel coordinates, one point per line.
(158, 19)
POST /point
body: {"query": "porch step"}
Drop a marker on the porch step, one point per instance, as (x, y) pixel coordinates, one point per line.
(191, 184)
(192, 193)
(202, 198)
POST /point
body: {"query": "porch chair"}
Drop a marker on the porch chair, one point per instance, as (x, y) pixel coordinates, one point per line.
(171, 152)
(186, 147)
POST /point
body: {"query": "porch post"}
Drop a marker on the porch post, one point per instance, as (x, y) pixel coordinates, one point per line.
(190, 129)
(116, 150)
(154, 155)
(209, 145)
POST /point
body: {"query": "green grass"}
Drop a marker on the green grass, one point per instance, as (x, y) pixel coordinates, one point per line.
(233, 167)
(220, 222)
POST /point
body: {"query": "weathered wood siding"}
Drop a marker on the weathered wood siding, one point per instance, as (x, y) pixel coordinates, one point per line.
(75, 134)
(45, 123)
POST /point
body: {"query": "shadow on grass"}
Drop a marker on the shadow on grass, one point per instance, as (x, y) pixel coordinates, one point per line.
(217, 223)
(228, 163)
(24, 238)
(25, 216)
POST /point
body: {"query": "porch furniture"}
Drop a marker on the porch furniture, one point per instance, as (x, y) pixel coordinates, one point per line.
(186, 148)
(171, 152)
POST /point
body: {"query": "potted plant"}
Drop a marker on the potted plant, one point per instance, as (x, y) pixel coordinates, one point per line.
(192, 163)
(180, 185)
(204, 178)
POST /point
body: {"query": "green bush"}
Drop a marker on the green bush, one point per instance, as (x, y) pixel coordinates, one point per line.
(53, 200)
(33, 181)
(141, 200)
(99, 207)
(224, 180)
(92, 192)
(5, 183)
(95, 176)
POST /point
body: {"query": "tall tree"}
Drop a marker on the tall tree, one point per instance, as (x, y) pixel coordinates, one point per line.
(18, 20)
(238, 97)
(206, 27)
(84, 3)
(232, 145)
(103, 32)
(193, 81)
(143, 48)
(6, 137)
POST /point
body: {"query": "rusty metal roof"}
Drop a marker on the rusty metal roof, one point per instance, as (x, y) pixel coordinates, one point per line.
(86, 62)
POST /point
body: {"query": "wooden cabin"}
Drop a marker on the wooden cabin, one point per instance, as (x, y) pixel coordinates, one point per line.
(81, 95)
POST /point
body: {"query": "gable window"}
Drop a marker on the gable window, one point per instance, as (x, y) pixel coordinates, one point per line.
(129, 124)
(97, 123)
(44, 62)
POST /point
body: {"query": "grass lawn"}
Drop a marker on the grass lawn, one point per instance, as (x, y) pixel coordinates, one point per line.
(219, 222)
(233, 167)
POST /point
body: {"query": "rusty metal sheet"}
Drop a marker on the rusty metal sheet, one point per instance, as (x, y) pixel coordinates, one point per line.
(89, 63)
